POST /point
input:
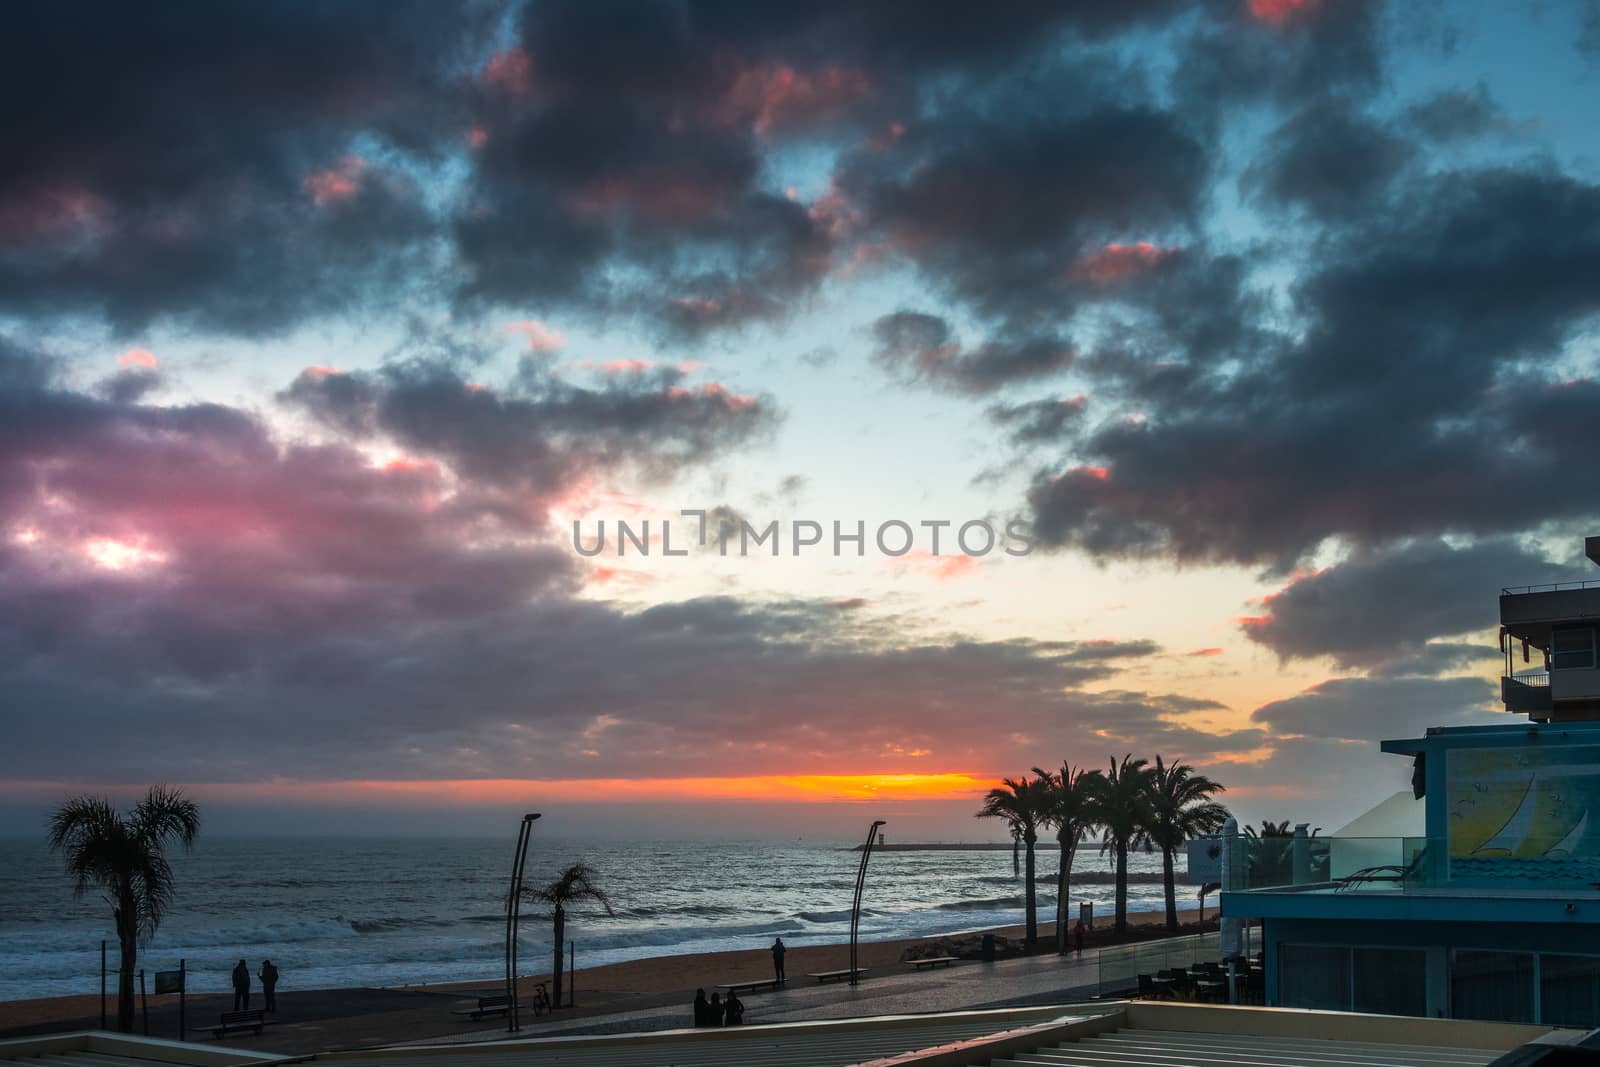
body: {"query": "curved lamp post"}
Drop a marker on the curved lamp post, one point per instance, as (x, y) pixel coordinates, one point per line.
(513, 915)
(855, 907)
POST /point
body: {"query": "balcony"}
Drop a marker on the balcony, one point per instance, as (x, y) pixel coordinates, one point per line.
(1529, 692)
(1407, 865)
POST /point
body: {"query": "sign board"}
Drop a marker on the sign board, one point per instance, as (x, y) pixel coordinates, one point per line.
(1086, 912)
(169, 982)
(1205, 861)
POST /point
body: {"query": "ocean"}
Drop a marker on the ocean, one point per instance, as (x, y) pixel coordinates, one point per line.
(335, 912)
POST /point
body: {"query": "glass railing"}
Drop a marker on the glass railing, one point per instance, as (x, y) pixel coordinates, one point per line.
(1412, 864)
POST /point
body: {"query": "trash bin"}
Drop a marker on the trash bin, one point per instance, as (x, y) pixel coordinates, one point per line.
(988, 948)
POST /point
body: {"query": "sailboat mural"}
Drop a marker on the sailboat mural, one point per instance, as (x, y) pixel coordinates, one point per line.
(1524, 813)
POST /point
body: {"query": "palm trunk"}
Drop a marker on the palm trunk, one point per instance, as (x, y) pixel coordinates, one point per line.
(1170, 881)
(1063, 885)
(1122, 886)
(555, 973)
(128, 938)
(1032, 901)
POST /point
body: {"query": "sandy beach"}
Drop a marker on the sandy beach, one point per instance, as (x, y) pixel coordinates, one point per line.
(351, 1018)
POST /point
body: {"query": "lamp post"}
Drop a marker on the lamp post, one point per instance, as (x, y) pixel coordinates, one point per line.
(513, 914)
(855, 907)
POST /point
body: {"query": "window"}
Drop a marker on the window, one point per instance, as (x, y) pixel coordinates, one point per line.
(1314, 976)
(1572, 650)
(1390, 981)
(1493, 986)
(1569, 990)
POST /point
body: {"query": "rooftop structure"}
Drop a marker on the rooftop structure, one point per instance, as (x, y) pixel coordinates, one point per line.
(1559, 622)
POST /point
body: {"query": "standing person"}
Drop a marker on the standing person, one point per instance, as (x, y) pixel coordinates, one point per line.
(733, 1010)
(702, 1010)
(241, 986)
(777, 959)
(714, 1010)
(1077, 935)
(269, 985)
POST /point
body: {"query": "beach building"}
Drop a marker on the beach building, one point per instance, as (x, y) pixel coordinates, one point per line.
(1477, 894)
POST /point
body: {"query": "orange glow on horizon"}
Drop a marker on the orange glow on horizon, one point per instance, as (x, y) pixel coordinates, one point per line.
(472, 792)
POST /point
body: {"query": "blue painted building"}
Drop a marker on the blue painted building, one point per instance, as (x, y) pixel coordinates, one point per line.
(1493, 910)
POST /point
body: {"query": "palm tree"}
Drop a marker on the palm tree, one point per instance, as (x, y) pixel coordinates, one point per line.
(1070, 809)
(1122, 810)
(574, 884)
(1021, 803)
(1180, 808)
(126, 858)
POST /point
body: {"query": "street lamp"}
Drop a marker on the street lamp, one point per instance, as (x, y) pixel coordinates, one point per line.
(855, 907)
(513, 914)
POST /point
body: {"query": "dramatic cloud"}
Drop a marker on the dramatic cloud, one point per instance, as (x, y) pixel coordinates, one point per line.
(1330, 160)
(924, 347)
(195, 164)
(1431, 331)
(1379, 607)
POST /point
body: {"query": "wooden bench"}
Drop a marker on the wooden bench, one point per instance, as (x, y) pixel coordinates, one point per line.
(934, 961)
(834, 976)
(486, 1006)
(249, 1019)
(749, 987)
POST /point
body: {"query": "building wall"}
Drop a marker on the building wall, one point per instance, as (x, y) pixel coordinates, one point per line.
(1554, 954)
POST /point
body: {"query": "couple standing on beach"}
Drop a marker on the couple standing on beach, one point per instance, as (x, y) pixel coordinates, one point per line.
(241, 985)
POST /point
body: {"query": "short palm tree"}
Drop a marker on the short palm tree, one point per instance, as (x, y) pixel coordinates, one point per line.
(1180, 808)
(125, 856)
(1070, 809)
(1021, 802)
(1122, 810)
(575, 883)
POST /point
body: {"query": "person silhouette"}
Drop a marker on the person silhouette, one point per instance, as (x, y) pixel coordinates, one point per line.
(702, 1010)
(714, 1010)
(733, 1010)
(269, 985)
(1077, 935)
(777, 959)
(241, 986)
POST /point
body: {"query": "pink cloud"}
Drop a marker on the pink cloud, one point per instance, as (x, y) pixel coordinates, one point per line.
(338, 183)
(477, 137)
(510, 72)
(1278, 12)
(776, 97)
(137, 357)
(627, 366)
(1117, 262)
(730, 401)
(1205, 652)
(943, 568)
(541, 338)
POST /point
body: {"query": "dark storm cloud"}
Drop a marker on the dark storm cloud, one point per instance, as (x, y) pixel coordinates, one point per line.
(1457, 115)
(923, 347)
(1417, 400)
(1040, 421)
(1427, 589)
(542, 432)
(1329, 159)
(1285, 53)
(196, 163)
(1361, 709)
(997, 213)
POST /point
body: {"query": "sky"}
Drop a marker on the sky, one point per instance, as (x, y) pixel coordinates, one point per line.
(1195, 374)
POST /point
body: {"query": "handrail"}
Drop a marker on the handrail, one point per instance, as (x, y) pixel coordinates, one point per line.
(1552, 587)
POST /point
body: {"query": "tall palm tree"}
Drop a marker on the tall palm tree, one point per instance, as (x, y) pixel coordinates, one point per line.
(1122, 810)
(125, 857)
(1021, 803)
(1070, 809)
(1180, 808)
(574, 884)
